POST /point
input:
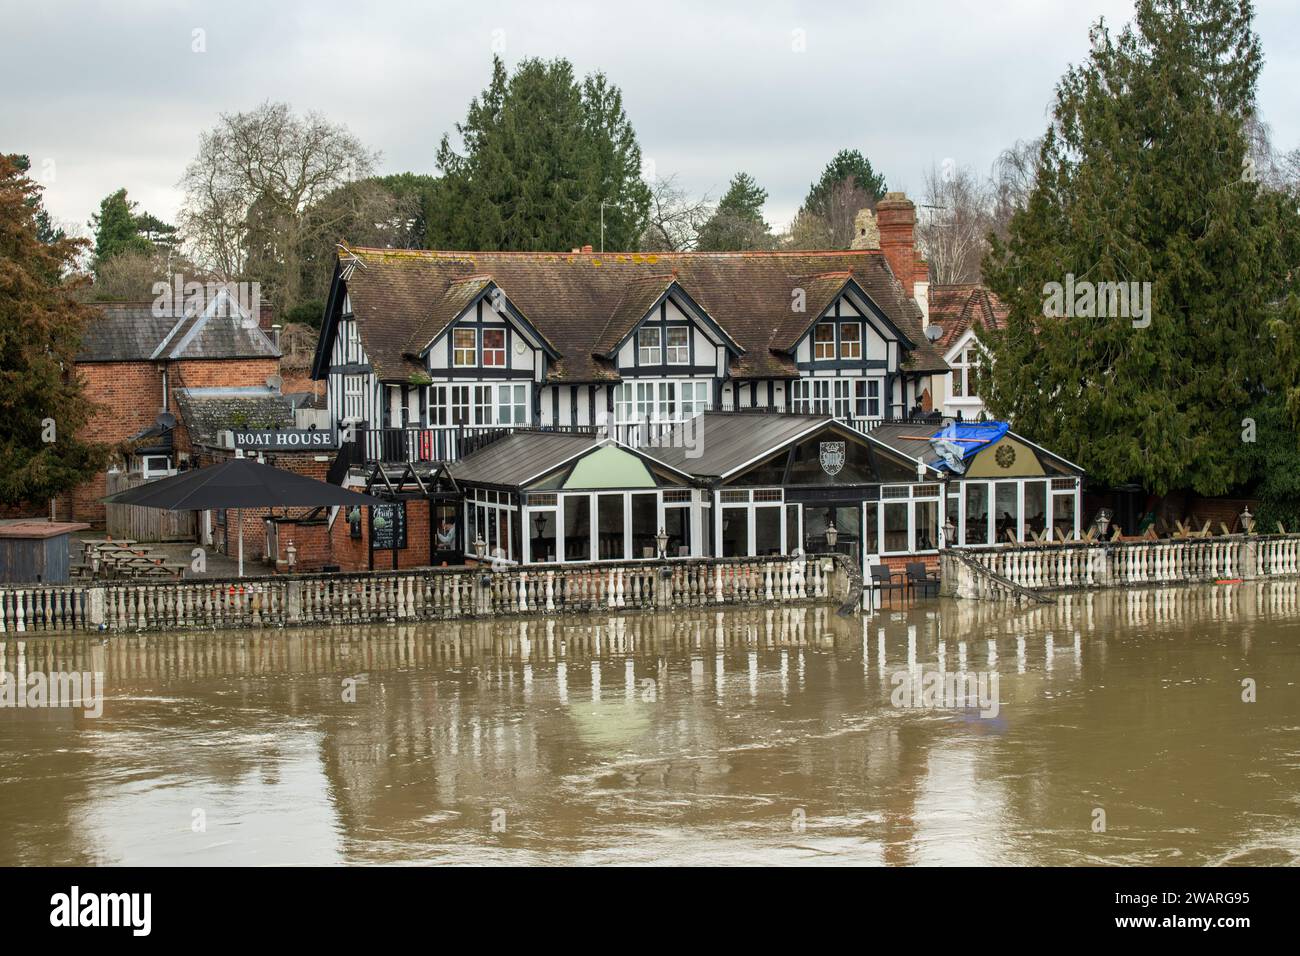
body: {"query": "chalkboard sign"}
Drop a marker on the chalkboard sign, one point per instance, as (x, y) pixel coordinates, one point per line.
(393, 533)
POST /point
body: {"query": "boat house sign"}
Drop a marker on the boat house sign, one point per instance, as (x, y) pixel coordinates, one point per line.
(284, 439)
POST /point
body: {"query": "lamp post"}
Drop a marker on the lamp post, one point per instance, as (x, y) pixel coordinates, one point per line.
(832, 535)
(661, 539)
(1247, 521)
(480, 547)
(1103, 521)
(949, 531)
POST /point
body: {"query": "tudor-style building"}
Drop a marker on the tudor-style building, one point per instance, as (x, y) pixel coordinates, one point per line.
(421, 349)
(958, 312)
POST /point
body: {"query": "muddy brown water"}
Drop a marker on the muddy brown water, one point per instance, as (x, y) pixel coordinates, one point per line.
(755, 736)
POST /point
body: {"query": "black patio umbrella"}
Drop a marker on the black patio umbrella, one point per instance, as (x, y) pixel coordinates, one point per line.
(238, 483)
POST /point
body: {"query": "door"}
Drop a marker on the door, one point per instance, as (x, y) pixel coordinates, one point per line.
(870, 537)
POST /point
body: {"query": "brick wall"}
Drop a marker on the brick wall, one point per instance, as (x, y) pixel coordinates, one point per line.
(128, 396)
(352, 554)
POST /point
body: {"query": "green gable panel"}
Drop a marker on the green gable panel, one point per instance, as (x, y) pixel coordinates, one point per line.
(610, 467)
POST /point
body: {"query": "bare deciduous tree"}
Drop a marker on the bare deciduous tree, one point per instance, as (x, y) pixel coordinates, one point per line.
(833, 228)
(954, 224)
(675, 218)
(1014, 173)
(247, 192)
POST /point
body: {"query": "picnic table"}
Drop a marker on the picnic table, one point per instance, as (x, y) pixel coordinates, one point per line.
(123, 557)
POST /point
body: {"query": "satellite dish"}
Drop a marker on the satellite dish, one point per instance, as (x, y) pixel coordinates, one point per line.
(273, 382)
(166, 420)
(933, 332)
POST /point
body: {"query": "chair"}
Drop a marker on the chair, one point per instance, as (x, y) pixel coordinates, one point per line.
(919, 578)
(882, 580)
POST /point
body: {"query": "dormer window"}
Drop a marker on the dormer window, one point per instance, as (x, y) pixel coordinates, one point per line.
(649, 351)
(851, 341)
(464, 348)
(824, 341)
(678, 340)
(494, 348)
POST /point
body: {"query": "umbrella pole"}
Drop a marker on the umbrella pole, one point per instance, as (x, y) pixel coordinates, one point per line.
(239, 517)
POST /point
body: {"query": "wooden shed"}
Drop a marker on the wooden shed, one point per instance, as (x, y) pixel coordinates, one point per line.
(33, 551)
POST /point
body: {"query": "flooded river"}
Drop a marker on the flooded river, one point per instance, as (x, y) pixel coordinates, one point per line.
(1112, 729)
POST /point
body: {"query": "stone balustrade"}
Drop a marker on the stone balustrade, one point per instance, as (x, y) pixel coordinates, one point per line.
(1081, 565)
(421, 594)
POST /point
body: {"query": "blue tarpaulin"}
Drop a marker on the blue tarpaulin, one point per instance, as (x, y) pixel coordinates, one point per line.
(970, 438)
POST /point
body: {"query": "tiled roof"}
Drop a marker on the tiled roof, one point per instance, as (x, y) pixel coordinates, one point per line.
(955, 308)
(206, 411)
(579, 300)
(135, 331)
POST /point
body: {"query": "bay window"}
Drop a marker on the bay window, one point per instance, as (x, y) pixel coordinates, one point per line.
(659, 401)
(455, 405)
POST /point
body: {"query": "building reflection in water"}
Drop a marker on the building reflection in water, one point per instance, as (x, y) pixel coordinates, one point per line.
(746, 736)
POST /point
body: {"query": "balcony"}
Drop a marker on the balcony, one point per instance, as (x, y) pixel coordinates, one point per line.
(451, 443)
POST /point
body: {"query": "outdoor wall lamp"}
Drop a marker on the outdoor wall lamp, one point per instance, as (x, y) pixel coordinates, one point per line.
(831, 536)
(949, 532)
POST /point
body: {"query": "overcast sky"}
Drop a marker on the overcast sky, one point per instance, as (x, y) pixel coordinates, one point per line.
(105, 95)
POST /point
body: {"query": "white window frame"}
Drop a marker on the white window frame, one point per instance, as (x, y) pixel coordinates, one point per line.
(512, 404)
(661, 400)
(457, 351)
(649, 354)
(845, 342)
(148, 470)
(677, 354)
(964, 369)
(823, 351)
(354, 393)
(494, 352)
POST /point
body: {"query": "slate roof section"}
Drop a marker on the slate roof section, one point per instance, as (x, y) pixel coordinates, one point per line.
(727, 440)
(123, 332)
(639, 294)
(521, 456)
(132, 332)
(398, 296)
(955, 308)
(206, 411)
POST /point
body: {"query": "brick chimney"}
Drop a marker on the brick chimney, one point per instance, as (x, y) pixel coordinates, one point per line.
(896, 217)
